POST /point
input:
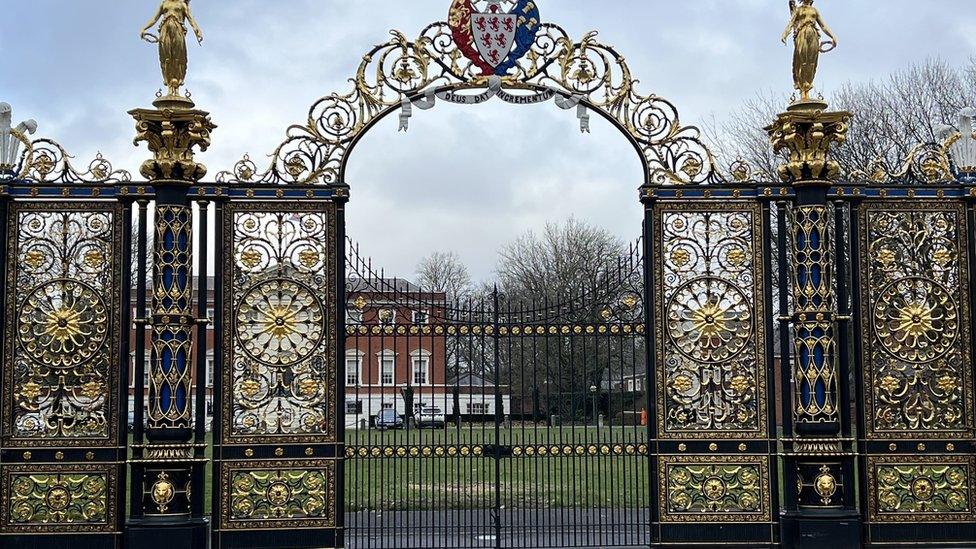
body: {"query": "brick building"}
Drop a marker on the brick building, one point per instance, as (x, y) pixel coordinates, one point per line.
(390, 347)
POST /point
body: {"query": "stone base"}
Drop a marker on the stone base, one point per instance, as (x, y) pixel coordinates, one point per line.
(167, 534)
(833, 530)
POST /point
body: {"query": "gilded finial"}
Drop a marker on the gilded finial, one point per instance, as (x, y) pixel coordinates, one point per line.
(807, 27)
(172, 17)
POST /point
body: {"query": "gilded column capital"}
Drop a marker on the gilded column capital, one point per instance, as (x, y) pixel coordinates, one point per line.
(807, 131)
(172, 131)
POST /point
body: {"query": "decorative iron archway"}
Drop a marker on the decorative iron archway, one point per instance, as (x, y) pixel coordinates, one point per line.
(886, 253)
(401, 73)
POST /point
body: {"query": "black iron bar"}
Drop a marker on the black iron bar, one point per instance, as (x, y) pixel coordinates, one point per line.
(139, 366)
(203, 216)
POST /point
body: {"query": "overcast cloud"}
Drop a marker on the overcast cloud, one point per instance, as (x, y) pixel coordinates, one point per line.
(467, 179)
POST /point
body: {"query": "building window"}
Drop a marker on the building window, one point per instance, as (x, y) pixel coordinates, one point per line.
(354, 407)
(420, 317)
(354, 365)
(478, 408)
(210, 314)
(210, 370)
(387, 361)
(387, 405)
(421, 370)
(145, 373)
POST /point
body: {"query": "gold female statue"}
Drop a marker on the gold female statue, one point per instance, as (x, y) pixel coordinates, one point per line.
(172, 15)
(806, 24)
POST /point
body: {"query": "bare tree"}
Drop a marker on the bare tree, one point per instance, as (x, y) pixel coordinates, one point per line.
(134, 249)
(890, 117)
(564, 260)
(445, 272)
(565, 275)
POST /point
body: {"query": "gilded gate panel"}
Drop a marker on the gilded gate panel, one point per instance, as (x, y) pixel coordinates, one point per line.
(714, 488)
(279, 494)
(922, 488)
(710, 363)
(60, 361)
(50, 498)
(918, 383)
(279, 376)
(280, 337)
(916, 359)
(709, 302)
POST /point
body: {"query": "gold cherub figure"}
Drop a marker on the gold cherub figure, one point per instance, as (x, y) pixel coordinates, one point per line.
(171, 15)
(806, 25)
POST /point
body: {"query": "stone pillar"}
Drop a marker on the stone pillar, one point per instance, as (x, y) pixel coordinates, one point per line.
(819, 474)
(172, 131)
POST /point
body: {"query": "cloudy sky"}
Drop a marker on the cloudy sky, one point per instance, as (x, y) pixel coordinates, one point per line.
(468, 179)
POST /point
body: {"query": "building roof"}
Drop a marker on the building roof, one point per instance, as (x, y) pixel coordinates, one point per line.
(357, 284)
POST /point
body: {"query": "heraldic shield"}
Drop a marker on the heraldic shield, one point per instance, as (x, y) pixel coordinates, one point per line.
(489, 36)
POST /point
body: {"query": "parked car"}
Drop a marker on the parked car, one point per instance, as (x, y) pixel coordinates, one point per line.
(430, 417)
(388, 419)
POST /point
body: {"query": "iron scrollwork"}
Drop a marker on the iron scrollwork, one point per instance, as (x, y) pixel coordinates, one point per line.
(402, 70)
(916, 305)
(711, 376)
(282, 305)
(815, 374)
(46, 161)
(169, 380)
(63, 306)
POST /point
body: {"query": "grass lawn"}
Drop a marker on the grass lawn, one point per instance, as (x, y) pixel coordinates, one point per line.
(524, 481)
(440, 483)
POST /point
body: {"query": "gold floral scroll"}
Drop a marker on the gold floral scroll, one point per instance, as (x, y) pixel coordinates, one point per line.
(47, 499)
(921, 489)
(61, 366)
(711, 364)
(280, 331)
(916, 360)
(714, 489)
(279, 494)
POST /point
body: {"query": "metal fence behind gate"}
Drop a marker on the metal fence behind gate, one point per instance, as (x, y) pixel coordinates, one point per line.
(493, 422)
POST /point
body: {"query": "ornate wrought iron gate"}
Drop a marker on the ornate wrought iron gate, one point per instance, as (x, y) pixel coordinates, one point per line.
(63, 446)
(495, 421)
(914, 248)
(775, 364)
(712, 361)
(277, 429)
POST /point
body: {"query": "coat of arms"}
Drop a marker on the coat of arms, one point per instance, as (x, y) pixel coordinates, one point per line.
(491, 37)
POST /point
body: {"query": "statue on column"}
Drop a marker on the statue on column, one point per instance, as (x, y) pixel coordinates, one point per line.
(807, 26)
(172, 17)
